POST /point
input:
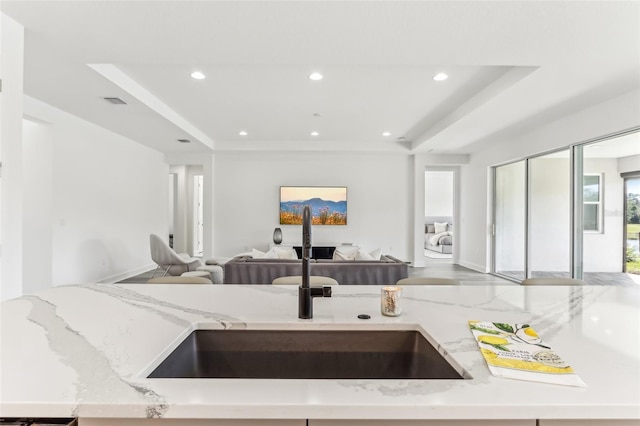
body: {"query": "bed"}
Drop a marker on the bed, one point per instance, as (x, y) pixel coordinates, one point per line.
(438, 234)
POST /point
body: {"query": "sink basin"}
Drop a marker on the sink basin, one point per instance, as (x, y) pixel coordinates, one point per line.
(306, 354)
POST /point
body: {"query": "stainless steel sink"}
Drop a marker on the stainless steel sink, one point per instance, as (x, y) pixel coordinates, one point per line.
(306, 354)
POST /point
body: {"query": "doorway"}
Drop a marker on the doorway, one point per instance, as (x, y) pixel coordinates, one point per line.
(198, 216)
(439, 208)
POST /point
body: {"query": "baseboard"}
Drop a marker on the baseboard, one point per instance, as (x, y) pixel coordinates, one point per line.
(474, 266)
(119, 277)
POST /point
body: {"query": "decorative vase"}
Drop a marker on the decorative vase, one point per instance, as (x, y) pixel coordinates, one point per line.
(277, 236)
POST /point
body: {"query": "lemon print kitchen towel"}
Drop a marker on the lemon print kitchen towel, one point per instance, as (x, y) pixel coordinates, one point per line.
(516, 351)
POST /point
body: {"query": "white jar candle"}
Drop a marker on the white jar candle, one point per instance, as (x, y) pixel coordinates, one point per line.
(390, 301)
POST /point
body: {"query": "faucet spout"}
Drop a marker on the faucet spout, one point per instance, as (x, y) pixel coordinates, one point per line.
(306, 293)
(306, 246)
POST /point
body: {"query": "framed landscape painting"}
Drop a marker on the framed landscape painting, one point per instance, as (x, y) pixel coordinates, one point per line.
(328, 204)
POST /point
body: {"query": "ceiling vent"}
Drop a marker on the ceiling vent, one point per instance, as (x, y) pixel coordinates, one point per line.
(115, 101)
(184, 141)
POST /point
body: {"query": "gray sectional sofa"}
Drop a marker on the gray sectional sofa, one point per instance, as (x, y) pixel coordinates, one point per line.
(247, 270)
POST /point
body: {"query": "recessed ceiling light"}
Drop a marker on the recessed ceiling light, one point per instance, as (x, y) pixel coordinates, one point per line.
(242, 133)
(315, 133)
(316, 76)
(440, 76)
(386, 134)
(197, 75)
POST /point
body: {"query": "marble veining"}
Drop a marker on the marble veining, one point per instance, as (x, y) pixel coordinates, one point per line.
(84, 351)
(89, 364)
(149, 303)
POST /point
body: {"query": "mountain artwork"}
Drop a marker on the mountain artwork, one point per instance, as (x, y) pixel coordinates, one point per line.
(328, 205)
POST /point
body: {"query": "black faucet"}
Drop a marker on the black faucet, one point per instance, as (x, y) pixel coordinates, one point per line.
(306, 293)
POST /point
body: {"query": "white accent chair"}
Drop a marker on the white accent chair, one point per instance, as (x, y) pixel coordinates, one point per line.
(168, 260)
(427, 281)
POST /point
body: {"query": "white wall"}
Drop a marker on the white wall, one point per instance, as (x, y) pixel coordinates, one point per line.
(629, 164)
(37, 238)
(617, 114)
(246, 204)
(11, 73)
(438, 193)
(109, 194)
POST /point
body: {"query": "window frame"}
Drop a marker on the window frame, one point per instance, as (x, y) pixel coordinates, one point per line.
(599, 205)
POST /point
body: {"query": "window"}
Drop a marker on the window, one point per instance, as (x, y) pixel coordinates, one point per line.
(592, 200)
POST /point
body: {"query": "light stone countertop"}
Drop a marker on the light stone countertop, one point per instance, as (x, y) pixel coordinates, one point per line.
(85, 350)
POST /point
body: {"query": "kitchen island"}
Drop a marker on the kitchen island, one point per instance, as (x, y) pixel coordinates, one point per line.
(85, 351)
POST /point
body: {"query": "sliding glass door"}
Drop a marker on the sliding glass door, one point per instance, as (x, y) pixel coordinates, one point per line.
(603, 211)
(570, 213)
(510, 215)
(550, 215)
(632, 223)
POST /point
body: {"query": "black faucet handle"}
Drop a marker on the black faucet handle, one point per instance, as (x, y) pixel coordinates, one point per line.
(317, 291)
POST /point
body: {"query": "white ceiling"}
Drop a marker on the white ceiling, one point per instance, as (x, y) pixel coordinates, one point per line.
(511, 65)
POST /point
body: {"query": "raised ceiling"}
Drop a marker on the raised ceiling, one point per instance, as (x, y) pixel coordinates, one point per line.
(511, 66)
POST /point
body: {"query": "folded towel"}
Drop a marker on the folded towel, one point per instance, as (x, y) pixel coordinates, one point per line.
(517, 352)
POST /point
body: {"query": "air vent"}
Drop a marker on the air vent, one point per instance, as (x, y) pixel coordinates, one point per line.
(115, 101)
(184, 141)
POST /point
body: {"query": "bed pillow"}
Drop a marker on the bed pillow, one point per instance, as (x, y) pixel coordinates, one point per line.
(345, 253)
(374, 255)
(440, 227)
(431, 229)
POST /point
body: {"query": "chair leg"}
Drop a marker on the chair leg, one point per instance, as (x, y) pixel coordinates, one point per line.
(166, 270)
(154, 271)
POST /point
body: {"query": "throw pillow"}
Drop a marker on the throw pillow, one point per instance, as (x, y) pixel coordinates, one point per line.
(285, 252)
(431, 229)
(440, 227)
(374, 255)
(257, 254)
(345, 253)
